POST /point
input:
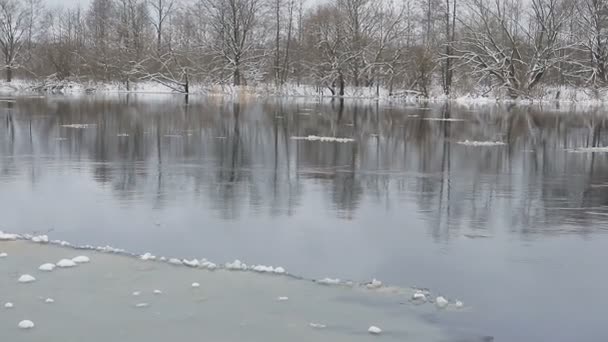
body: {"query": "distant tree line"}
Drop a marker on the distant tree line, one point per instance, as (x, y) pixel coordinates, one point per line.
(515, 46)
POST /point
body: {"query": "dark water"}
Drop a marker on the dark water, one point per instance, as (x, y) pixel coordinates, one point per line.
(517, 231)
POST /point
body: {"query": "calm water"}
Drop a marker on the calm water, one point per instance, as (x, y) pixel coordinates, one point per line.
(518, 232)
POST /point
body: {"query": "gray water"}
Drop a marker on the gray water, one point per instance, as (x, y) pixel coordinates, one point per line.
(517, 231)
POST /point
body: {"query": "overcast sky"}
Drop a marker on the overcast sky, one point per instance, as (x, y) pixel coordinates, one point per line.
(65, 3)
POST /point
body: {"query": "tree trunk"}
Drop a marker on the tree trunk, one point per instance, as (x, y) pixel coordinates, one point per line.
(9, 74)
(236, 77)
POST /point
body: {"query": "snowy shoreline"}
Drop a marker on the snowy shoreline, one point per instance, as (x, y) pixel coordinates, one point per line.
(549, 95)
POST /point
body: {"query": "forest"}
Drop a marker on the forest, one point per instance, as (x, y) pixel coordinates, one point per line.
(402, 46)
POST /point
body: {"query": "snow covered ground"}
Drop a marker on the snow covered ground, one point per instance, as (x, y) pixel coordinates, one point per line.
(95, 302)
(543, 94)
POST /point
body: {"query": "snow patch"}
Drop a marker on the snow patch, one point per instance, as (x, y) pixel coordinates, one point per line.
(46, 267)
(279, 270)
(324, 139)
(441, 302)
(191, 263)
(8, 237)
(40, 239)
(175, 261)
(208, 265)
(26, 278)
(147, 256)
(374, 284)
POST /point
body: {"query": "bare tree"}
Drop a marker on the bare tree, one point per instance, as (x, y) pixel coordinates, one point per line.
(592, 21)
(516, 51)
(161, 10)
(15, 25)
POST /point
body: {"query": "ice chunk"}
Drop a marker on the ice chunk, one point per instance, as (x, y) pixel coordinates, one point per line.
(26, 324)
(158, 292)
(46, 267)
(374, 284)
(65, 263)
(142, 305)
(419, 296)
(279, 270)
(441, 302)
(208, 265)
(40, 239)
(481, 143)
(282, 299)
(324, 139)
(26, 278)
(459, 304)
(237, 265)
(317, 325)
(175, 261)
(8, 237)
(374, 330)
(3, 255)
(49, 300)
(263, 269)
(328, 281)
(195, 285)
(191, 263)
(81, 259)
(136, 293)
(147, 256)
(9, 305)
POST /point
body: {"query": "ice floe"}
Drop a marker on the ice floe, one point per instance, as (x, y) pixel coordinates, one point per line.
(279, 270)
(374, 330)
(65, 263)
(459, 304)
(208, 265)
(324, 139)
(142, 305)
(40, 239)
(26, 324)
(157, 292)
(317, 325)
(122, 135)
(175, 261)
(282, 299)
(3, 255)
(9, 305)
(441, 302)
(81, 259)
(49, 300)
(47, 267)
(481, 143)
(419, 296)
(26, 278)
(588, 150)
(77, 126)
(136, 293)
(195, 285)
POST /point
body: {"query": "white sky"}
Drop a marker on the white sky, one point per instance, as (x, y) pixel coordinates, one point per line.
(66, 3)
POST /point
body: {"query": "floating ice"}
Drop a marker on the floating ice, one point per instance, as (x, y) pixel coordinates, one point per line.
(237, 265)
(443, 119)
(26, 324)
(65, 263)
(3, 255)
(77, 126)
(162, 258)
(81, 259)
(158, 292)
(208, 265)
(317, 325)
(46, 267)
(147, 256)
(263, 269)
(195, 285)
(191, 263)
(374, 330)
(282, 299)
(136, 293)
(26, 278)
(459, 304)
(142, 305)
(175, 261)
(324, 139)
(40, 239)
(8, 237)
(110, 249)
(374, 284)
(588, 150)
(49, 300)
(9, 305)
(279, 270)
(122, 135)
(328, 281)
(441, 302)
(419, 296)
(481, 143)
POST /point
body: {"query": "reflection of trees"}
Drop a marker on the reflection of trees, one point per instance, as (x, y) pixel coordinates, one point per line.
(240, 158)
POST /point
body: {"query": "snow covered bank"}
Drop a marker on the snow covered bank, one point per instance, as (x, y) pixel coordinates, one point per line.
(99, 296)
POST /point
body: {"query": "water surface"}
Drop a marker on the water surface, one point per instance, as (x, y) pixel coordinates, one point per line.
(516, 231)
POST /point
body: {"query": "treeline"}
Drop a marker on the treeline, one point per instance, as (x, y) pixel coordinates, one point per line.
(514, 46)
